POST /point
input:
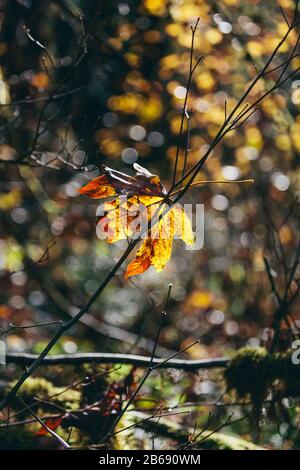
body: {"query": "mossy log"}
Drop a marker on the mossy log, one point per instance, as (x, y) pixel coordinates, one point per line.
(210, 440)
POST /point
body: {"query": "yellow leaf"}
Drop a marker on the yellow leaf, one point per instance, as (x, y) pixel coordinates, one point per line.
(162, 244)
(137, 202)
(183, 226)
(156, 250)
(142, 260)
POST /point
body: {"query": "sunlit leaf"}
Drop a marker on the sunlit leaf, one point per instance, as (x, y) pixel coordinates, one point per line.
(122, 217)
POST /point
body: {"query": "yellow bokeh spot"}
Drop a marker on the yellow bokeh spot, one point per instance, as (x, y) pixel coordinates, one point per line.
(255, 48)
(286, 3)
(205, 81)
(188, 11)
(283, 142)
(213, 36)
(254, 138)
(156, 7)
(111, 148)
(199, 299)
(273, 42)
(10, 200)
(170, 61)
(285, 234)
(295, 132)
(175, 124)
(147, 108)
(152, 109)
(174, 29)
(132, 59)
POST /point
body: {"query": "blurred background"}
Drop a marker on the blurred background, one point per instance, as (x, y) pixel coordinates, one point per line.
(84, 83)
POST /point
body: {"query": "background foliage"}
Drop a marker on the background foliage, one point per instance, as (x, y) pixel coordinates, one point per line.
(85, 83)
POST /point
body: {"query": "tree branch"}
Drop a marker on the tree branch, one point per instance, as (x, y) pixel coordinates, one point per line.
(26, 359)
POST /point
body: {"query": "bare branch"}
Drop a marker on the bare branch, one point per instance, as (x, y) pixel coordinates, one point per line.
(26, 359)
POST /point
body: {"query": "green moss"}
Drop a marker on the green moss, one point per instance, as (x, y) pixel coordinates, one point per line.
(166, 428)
(46, 390)
(253, 372)
(222, 441)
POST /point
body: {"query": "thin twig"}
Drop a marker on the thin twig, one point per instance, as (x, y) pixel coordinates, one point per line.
(50, 431)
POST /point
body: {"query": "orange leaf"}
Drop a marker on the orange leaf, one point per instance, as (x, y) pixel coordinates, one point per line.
(98, 188)
(142, 260)
(122, 216)
(51, 423)
(156, 250)
(114, 182)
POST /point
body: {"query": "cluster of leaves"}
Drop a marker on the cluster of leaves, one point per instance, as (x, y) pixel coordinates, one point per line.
(125, 219)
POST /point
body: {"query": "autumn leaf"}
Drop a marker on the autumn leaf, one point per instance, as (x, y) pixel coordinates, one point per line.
(114, 182)
(122, 217)
(51, 423)
(98, 188)
(156, 250)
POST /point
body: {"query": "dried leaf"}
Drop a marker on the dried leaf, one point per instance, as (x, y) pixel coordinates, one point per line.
(51, 423)
(122, 216)
(98, 188)
(115, 182)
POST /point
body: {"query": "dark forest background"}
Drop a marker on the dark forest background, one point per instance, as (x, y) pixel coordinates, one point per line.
(85, 83)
